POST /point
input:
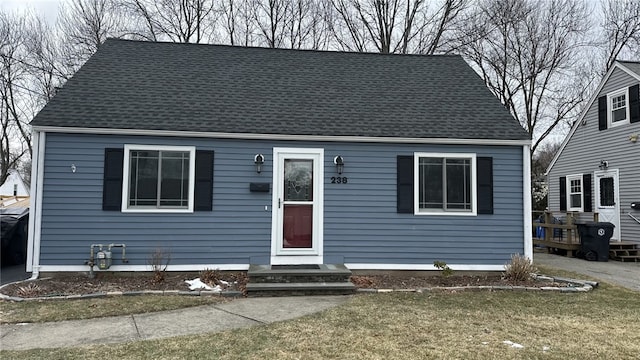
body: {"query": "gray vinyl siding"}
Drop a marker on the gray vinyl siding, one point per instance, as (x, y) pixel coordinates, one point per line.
(361, 224)
(588, 146)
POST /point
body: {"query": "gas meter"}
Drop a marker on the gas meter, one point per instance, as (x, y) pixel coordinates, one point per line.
(104, 259)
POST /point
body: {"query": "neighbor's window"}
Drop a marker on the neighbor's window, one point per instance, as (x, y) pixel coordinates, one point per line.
(445, 183)
(158, 178)
(574, 189)
(618, 107)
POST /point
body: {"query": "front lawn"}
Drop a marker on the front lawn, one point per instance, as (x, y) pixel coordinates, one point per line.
(58, 310)
(465, 325)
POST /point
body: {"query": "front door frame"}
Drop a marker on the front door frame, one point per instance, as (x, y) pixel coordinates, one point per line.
(293, 256)
(616, 198)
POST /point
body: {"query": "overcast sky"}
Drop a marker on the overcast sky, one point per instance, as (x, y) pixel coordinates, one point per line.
(48, 8)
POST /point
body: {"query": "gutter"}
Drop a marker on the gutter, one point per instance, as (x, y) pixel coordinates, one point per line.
(284, 137)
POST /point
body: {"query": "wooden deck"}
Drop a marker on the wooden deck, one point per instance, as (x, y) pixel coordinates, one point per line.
(562, 238)
(559, 237)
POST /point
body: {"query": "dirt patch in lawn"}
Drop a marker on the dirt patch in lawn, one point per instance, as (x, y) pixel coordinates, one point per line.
(79, 284)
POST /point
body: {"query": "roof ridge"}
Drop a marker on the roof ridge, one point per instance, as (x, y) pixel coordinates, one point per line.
(112, 39)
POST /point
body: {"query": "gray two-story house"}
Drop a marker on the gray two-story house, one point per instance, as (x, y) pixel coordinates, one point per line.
(597, 169)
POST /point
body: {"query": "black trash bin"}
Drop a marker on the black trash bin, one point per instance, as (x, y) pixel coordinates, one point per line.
(594, 239)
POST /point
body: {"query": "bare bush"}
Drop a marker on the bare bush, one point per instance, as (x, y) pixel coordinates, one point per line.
(159, 261)
(29, 291)
(519, 269)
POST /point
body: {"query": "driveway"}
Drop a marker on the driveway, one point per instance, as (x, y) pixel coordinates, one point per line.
(626, 274)
(9, 274)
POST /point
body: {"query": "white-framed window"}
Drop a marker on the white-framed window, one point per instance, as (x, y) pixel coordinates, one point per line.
(618, 106)
(445, 183)
(574, 192)
(158, 178)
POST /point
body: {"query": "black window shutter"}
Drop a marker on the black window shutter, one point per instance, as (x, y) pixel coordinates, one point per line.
(602, 113)
(112, 181)
(634, 103)
(563, 193)
(586, 193)
(204, 181)
(405, 184)
(485, 185)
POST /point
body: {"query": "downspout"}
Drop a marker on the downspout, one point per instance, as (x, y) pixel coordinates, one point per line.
(527, 208)
(35, 205)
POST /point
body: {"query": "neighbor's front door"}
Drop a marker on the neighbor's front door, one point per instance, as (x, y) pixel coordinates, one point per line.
(297, 206)
(607, 199)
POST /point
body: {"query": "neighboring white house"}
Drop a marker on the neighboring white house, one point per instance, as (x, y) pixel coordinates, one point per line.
(14, 185)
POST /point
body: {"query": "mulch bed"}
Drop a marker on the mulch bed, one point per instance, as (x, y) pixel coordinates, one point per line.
(431, 281)
(78, 284)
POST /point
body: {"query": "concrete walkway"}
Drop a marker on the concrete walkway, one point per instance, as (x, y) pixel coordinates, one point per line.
(240, 313)
(615, 272)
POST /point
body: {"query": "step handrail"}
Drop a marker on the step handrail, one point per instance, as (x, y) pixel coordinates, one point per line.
(633, 217)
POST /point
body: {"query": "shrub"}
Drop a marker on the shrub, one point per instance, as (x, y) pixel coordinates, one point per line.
(210, 277)
(445, 269)
(30, 290)
(519, 269)
(159, 260)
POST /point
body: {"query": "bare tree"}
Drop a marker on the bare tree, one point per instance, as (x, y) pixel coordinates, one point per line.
(185, 21)
(305, 26)
(394, 26)
(528, 57)
(271, 17)
(84, 25)
(620, 30)
(14, 137)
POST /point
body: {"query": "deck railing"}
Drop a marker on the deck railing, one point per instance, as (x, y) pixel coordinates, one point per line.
(557, 232)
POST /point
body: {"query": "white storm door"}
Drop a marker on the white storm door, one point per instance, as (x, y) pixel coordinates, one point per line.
(607, 199)
(297, 220)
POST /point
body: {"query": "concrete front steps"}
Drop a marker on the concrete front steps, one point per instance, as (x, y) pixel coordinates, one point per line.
(624, 251)
(289, 280)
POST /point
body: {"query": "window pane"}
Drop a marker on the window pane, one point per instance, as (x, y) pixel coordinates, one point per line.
(174, 187)
(576, 200)
(606, 192)
(620, 114)
(430, 183)
(143, 184)
(298, 180)
(458, 184)
(575, 186)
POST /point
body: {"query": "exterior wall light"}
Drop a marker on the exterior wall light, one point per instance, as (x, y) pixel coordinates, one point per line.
(259, 161)
(339, 161)
(604, 164)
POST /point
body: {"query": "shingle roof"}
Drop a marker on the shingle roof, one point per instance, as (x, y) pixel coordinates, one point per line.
(632, 65)
(217, 88)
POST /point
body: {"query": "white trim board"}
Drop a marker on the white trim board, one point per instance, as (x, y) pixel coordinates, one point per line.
(459, 267)
(35, 217)
(359, 139)
(194, 267)
(527, 203)
(244, 267)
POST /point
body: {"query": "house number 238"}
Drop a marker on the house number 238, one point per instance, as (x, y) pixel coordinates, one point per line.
(339, 180)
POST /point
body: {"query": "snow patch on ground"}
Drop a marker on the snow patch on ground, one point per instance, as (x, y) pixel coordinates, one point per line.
(196, 284)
